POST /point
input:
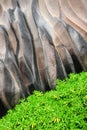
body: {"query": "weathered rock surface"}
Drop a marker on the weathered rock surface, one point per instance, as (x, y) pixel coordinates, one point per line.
(40, 40)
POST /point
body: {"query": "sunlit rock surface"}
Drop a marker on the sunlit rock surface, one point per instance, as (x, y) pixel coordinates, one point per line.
(40, 41)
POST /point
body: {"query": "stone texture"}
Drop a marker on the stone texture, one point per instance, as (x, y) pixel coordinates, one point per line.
(40, 40)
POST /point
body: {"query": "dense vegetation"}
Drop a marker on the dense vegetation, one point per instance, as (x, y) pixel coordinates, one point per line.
(64, 108)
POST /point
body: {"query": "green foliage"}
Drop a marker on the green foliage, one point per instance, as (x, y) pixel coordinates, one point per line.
(64, 108)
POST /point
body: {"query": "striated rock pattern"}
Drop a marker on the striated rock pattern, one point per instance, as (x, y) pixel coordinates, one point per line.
(40, 40)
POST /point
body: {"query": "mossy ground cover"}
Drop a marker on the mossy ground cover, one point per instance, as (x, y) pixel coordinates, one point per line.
(64, 108)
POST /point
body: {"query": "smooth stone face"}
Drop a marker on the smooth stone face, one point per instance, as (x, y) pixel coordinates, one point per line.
(49, 71)
(80, 45)
(11, 83)
(6, 4)
(53, 8)
(25, 38)
(26, 47)
(5, 21)
(67, 59)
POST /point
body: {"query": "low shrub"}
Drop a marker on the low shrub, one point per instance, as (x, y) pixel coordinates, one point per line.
(64, 108)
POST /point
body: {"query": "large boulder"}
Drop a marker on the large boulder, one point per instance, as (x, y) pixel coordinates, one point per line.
(40, 41)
